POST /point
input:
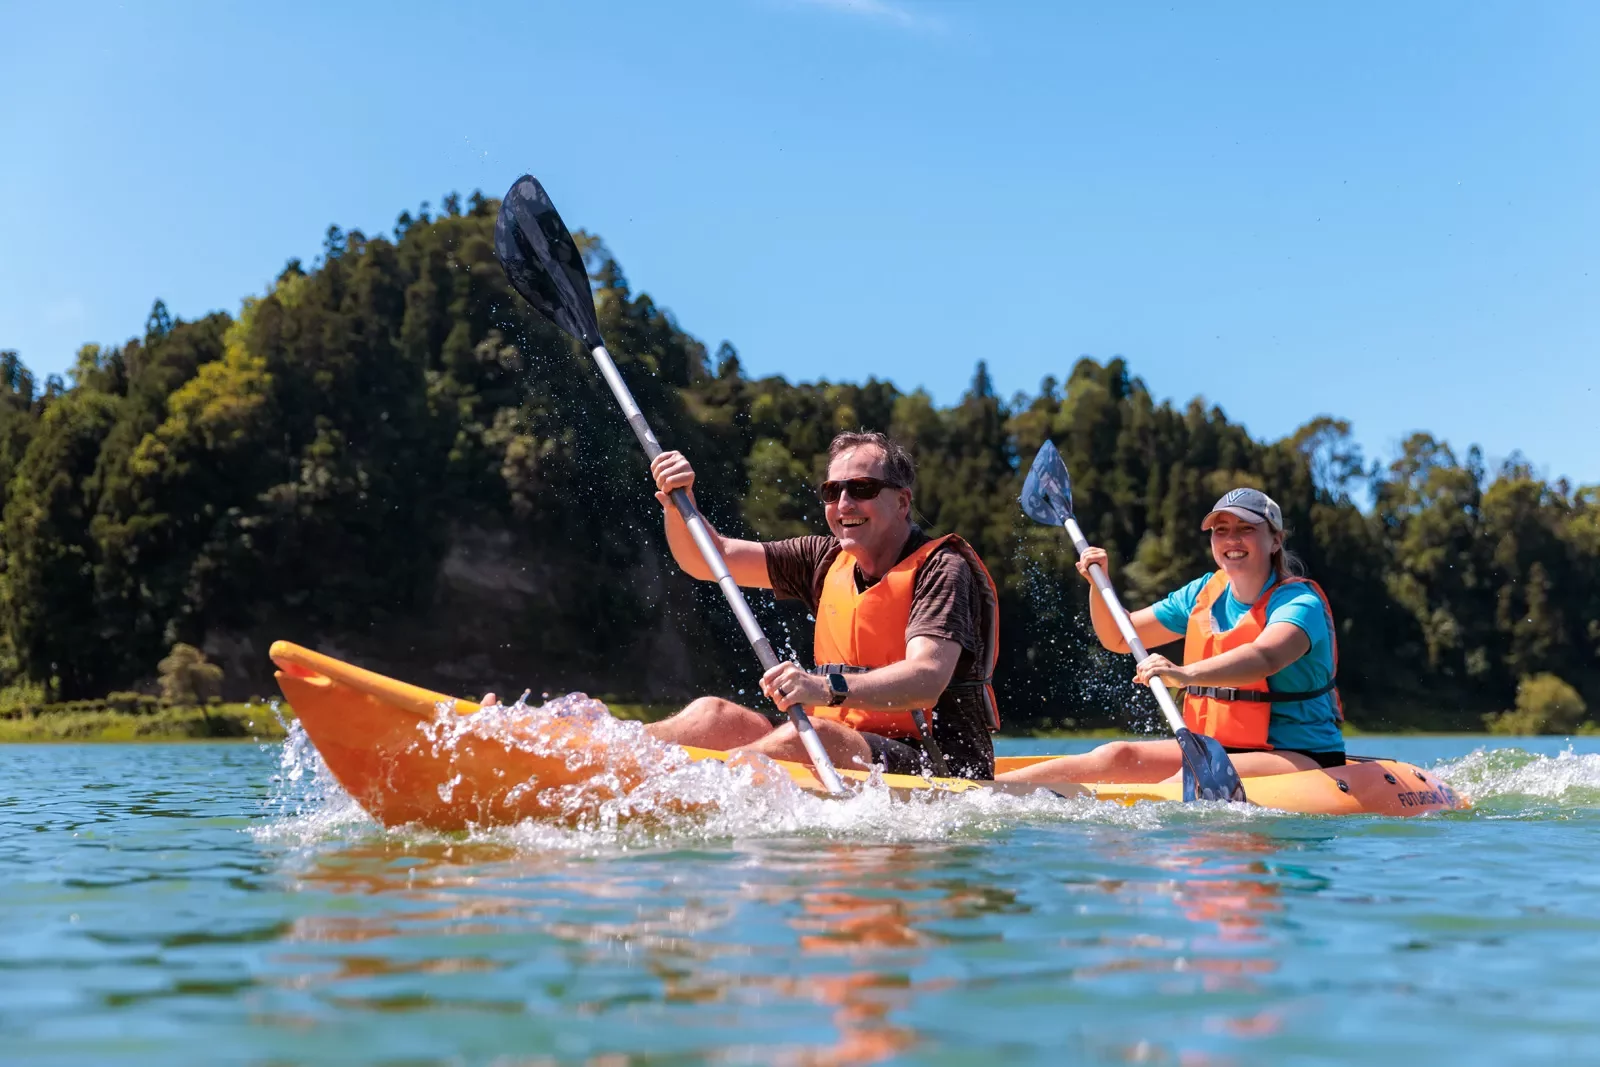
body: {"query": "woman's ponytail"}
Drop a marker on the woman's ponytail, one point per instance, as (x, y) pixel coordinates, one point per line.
(1285, 564)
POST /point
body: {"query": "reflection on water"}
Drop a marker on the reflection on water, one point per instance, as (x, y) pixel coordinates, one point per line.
(870, 912)
(865, 932)
(878, 910)
(1229, 882)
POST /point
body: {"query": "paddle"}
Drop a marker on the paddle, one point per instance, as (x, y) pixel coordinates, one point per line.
(542, 263)
(1208, 773)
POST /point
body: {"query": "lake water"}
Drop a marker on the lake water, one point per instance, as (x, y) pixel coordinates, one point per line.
(215, 904)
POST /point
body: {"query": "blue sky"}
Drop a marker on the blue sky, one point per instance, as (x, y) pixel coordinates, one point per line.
(1387, 212)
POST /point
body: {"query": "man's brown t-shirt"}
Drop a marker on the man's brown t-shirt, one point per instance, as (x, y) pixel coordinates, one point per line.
(945, 600)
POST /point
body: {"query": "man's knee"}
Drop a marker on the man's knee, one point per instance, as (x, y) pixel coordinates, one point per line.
(844, 746)
(839, 733)
(713, 723)
(717, 711)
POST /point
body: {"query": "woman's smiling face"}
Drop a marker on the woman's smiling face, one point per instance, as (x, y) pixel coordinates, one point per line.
(1242, 549)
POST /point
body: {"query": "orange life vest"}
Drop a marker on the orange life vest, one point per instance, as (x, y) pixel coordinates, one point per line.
(867, 629)
(1239, 722)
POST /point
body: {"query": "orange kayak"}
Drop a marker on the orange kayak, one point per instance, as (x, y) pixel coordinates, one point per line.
(410, 756)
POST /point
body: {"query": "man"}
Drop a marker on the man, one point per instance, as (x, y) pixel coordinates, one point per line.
(906, 627)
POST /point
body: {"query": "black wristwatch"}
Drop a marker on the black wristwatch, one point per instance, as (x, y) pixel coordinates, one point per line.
(838, 690)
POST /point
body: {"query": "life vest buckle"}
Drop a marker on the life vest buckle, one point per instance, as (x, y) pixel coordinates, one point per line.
(1218, 692)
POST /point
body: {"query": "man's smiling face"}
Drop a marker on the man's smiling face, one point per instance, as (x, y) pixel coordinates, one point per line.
(867, 529)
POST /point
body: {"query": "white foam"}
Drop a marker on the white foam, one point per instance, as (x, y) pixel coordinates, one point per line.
(306, 803)
(675, 800)
(1489, 773)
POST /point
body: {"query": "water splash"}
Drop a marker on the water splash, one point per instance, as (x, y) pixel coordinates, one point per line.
(600, 770)
(620, 788)
(1503, 779)
(305, 802)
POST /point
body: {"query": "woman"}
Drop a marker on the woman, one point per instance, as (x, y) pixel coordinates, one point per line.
(1260, 658)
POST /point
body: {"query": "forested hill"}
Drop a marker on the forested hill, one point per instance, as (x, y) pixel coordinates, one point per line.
(390, 458)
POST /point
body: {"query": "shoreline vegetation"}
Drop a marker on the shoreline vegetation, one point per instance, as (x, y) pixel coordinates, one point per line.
(82, 721)
(128, 717)
(389, 456)
(190, 708)
(97, 721)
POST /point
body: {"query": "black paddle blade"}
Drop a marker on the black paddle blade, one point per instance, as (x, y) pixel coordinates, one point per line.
(1208, 773)
(1047, 491)
(542, 262)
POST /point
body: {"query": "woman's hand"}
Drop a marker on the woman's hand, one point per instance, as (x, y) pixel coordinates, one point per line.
(671, 471)
(787, 685)
(1157, 666)
(1090, 556)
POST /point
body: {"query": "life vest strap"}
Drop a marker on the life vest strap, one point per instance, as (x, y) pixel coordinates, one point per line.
(837, 668)
(952, 693)
(825, 669)
(1228, 692)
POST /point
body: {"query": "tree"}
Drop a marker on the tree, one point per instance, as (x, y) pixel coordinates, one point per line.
(1545, 705)
(48, 602)
(187, 678)
(389, 452)
(159, 322)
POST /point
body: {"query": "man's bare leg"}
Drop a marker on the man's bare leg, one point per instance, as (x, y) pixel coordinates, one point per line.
(711, 722)
(846, 747)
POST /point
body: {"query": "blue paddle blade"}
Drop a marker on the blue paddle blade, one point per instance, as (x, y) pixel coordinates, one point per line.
(1047, 491)
(1208, 773)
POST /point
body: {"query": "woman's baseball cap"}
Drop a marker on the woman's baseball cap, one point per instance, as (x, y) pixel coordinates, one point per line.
(1251, 505)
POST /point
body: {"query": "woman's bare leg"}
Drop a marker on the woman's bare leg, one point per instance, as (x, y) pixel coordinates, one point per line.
(1261, 764)
(1118, 761)
(1145, 761)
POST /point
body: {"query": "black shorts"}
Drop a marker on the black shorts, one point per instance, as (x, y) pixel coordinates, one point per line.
(962, 738)
(1324, 759)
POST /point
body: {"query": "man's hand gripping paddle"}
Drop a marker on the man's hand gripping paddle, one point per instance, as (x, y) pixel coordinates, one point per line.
(542, 263)
(1208, 773)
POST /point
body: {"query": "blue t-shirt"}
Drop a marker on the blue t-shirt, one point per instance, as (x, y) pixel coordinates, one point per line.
(1308, 725)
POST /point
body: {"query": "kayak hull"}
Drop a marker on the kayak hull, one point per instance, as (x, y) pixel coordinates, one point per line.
(392, 747)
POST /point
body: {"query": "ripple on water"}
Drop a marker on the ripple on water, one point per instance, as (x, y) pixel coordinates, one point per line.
(140, 925)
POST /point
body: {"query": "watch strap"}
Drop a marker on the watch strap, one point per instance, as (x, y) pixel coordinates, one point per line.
(838, 689)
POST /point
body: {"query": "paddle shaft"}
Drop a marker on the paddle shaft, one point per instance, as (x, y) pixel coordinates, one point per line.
(1124, 624)
(706, 542)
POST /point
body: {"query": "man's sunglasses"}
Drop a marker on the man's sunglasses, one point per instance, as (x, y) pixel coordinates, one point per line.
(858, 488)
